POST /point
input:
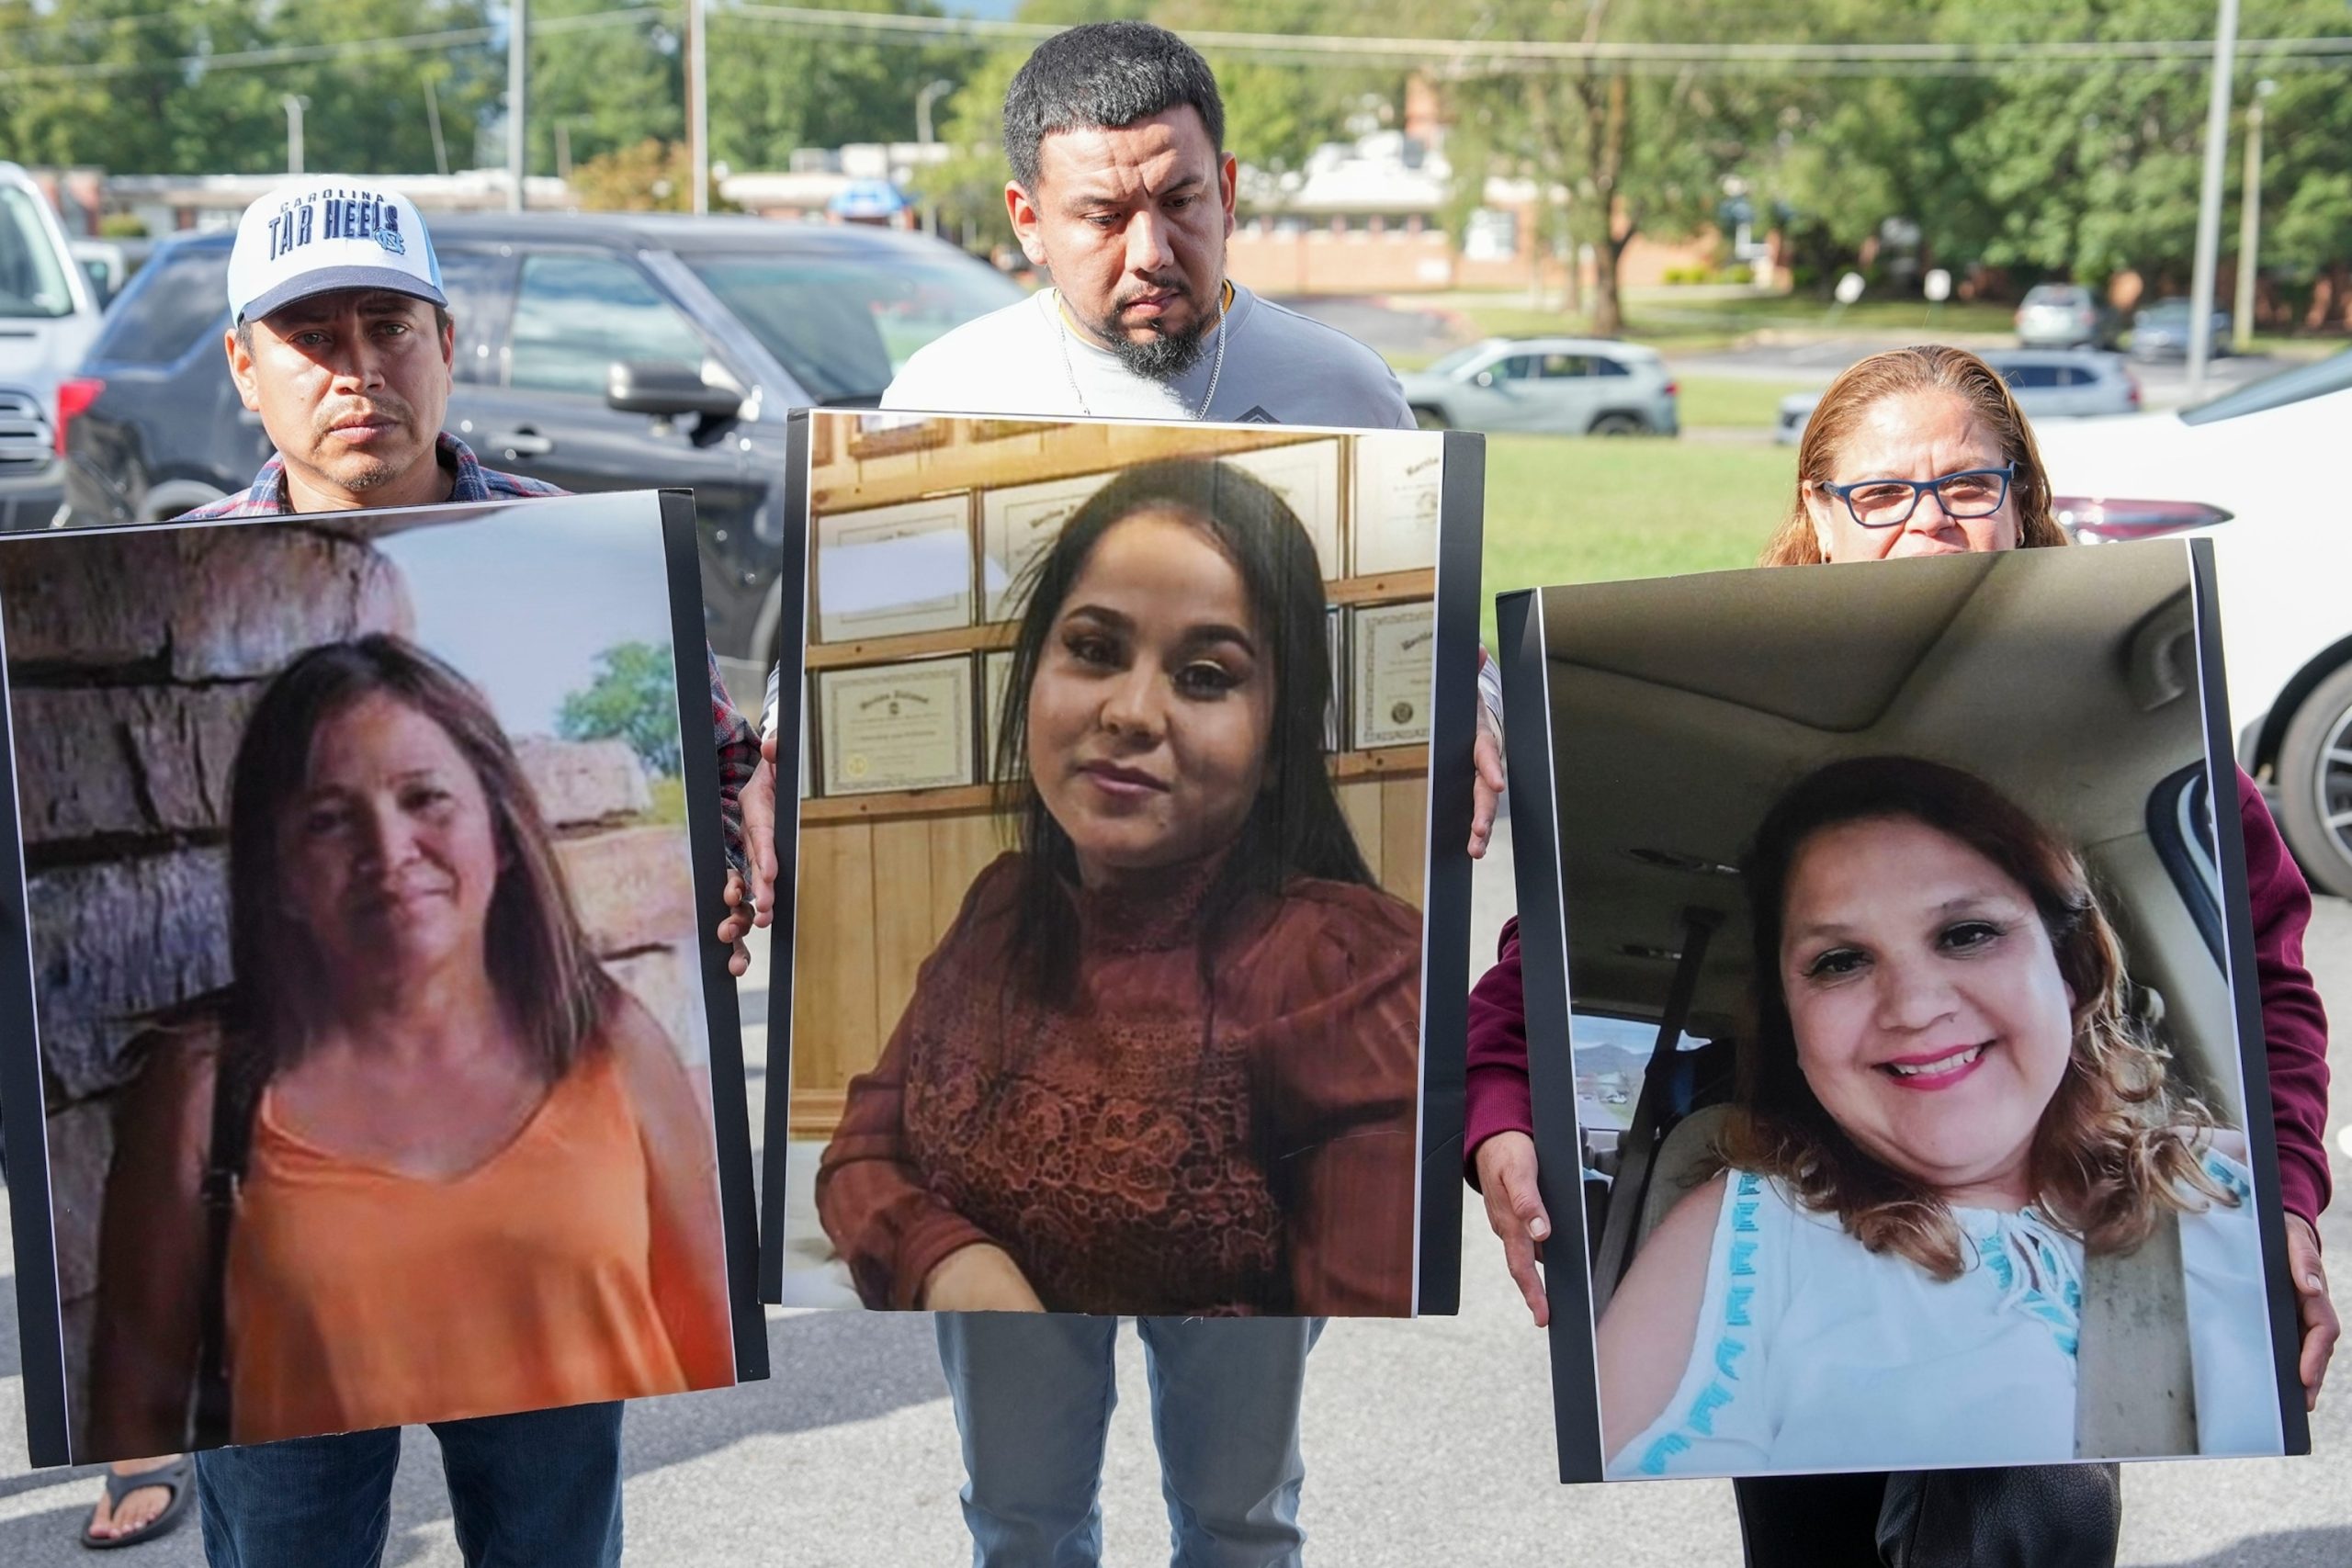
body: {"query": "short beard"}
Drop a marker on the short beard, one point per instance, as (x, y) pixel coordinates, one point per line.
(1162, 356)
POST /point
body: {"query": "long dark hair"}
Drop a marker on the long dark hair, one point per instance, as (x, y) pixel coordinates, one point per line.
(539, 957)
(2115, 1138)
(1295, 826)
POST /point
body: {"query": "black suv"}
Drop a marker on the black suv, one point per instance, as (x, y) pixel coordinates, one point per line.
(604, 352)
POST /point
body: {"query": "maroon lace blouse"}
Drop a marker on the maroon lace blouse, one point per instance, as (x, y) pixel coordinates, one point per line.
(1129, 1161)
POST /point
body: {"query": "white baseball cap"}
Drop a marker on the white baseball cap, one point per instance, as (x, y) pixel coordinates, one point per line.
(332, 232)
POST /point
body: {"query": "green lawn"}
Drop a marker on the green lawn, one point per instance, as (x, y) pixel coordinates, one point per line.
(1695, 325)
(1730, 402)
(1569, 509)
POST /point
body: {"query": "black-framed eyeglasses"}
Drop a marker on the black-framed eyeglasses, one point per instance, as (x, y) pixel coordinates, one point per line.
(1888, 503)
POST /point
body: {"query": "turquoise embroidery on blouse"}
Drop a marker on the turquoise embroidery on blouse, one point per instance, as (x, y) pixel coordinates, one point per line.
(1746, 1189)
(2036, 1275)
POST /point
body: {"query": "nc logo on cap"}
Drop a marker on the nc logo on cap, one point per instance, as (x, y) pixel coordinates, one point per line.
(325, 234)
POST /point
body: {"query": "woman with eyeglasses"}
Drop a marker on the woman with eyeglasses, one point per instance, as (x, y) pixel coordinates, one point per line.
(1924, 451)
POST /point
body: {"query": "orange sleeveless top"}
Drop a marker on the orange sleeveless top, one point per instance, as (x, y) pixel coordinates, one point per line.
(357, 1297)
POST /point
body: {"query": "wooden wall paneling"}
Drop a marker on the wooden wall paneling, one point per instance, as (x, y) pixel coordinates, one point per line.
(1360, 801)
(961, 848)
(832, 975)
(903, 932)
(1403, 854)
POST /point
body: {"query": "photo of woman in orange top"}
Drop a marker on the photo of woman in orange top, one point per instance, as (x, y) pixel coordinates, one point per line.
(1166, 1060)
(474, 1174)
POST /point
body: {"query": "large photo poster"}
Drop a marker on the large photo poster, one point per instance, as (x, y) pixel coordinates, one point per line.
(1892, 1022)
(368, 1059)
(1130, 952)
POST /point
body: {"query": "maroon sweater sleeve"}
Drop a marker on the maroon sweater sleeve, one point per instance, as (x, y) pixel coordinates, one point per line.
(2294, 1025)
(1495, 1097)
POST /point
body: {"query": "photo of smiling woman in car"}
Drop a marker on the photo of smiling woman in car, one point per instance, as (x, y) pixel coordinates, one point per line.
(1948, 1106)
(1165, 1060)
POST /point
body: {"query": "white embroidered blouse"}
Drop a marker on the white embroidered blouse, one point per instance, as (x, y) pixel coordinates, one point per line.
(1815, 1354)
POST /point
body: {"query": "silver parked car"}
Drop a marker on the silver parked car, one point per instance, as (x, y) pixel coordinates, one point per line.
(1562, 385)
(2066, 315)
(2050, 383)
(2160, 331)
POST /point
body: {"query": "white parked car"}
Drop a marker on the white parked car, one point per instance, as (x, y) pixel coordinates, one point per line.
(2050, 383)
(2255, 470)
(1570, 386)
(48, 317)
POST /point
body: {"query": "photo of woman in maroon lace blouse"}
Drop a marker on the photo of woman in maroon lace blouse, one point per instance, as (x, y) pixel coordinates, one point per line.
(1165, 1059)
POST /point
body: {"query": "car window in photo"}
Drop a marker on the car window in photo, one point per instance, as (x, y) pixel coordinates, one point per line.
(2180, 826)
(843, 327)
(574, 315)
(184, 302)
(2291, 385)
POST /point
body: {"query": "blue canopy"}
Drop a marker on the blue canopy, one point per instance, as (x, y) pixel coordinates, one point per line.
(868, 199)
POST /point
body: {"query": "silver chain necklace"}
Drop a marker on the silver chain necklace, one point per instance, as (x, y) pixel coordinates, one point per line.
(1217, 366)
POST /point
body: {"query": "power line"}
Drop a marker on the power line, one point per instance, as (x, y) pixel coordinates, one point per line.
(1512, 55)
(296, 53)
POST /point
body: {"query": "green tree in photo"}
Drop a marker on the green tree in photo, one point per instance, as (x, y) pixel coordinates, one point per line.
(634, 698)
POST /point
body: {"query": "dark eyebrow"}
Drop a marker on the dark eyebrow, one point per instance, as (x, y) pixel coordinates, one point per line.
(1194, 637)
(1949, 907)
(1200, 635)
(1096, 196)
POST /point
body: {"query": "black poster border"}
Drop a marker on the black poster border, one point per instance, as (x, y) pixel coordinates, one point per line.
(1445, 886)
(2246, 995)
(792, 654)
(1551, 1068)
(730, 1112)
(24, 1126)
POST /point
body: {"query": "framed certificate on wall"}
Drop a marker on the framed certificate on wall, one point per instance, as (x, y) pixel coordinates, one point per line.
(894, 727)
(1391, 674)
(996, 673)
(1018, 526)
(1393, 520)
(887, 571)
(1306, 476)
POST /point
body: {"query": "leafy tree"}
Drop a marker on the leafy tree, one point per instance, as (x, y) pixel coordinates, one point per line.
(652, 177)
(633, 698)
(1636, 148)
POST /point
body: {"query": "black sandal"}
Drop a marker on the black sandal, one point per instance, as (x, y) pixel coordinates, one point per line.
(178, 1477)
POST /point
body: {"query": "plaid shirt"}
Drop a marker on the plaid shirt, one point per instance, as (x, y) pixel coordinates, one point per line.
(739, 748)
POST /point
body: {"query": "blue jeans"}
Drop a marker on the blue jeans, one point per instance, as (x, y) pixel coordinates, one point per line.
(538, 1490)
(1033, 1402)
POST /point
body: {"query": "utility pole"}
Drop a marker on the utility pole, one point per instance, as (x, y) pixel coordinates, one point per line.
(433, 118)
(2209, 201)
(518, 60)
(697, 106)
(293, 106)
(923, 101)
(2249, 219)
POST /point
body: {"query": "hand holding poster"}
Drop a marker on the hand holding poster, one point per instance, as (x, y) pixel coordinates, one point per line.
(1881, 1008)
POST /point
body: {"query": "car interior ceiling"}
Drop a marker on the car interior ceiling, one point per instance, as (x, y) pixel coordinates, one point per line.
(1682, 711)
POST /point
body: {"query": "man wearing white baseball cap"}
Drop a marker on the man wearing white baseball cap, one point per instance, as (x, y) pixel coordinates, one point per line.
(343, 343)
